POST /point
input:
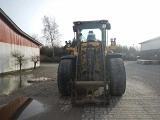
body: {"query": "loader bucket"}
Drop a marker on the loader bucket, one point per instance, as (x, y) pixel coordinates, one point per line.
(93, 92)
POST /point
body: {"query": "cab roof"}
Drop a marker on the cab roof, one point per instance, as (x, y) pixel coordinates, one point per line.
(94, 21)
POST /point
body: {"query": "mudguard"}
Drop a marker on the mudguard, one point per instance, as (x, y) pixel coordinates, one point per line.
(114, 55)
(68, 57)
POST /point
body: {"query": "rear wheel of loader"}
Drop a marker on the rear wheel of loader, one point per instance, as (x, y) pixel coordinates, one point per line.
(64, 77)
(117, 77)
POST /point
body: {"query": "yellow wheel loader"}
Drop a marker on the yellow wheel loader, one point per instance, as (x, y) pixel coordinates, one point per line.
(92, 72)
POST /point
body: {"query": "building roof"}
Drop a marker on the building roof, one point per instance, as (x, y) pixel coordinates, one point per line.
(156, 38)
(7, 19)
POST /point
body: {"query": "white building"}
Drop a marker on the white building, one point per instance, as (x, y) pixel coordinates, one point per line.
(151, 49)
(13, 39)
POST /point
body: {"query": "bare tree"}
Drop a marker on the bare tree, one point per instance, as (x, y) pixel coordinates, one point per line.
(19, 57)
(50, 31)
(35, 59)
(36, 37)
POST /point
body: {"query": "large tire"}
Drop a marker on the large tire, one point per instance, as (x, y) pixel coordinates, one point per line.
(117, 77)
(64, 77)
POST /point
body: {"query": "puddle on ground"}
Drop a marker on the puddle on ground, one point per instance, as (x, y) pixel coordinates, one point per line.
(10, 83)
(21, 108)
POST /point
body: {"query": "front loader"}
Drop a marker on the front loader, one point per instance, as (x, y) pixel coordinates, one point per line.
(92, 72)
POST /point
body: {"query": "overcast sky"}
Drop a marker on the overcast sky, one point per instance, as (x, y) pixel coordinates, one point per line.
(132, 21)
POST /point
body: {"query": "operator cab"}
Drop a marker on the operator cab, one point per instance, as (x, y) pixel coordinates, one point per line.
(91, 31)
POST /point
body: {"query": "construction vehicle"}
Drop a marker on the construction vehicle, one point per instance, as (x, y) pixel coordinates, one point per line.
(92, 72)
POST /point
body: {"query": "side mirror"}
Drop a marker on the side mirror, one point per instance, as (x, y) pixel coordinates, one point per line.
(108, 26)
(74, 28)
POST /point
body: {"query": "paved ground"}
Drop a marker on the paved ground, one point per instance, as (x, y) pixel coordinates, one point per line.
(141, 100)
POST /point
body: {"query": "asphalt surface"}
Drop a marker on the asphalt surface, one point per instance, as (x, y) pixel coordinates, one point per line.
(141, 100)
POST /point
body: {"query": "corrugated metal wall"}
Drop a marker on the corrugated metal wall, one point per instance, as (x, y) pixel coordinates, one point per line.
(7, 35)
(11, 41)
(151, 54)
(150, 45)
